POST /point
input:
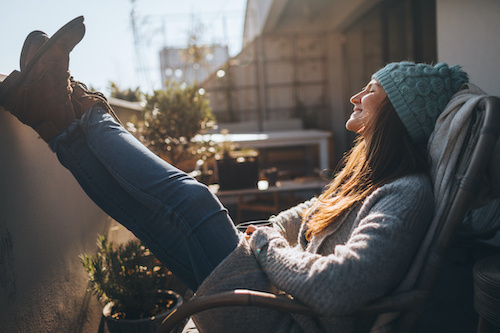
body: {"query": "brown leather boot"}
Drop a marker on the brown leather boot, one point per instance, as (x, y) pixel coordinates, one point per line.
(40, 94)
(81, 98)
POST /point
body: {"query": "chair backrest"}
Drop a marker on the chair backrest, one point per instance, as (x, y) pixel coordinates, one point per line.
(473, 161)
(406, 306)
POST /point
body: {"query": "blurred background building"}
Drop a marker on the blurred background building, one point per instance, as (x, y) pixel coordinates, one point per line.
(193, 64)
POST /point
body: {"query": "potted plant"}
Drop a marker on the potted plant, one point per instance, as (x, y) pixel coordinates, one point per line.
(171, 120)
(132, 283)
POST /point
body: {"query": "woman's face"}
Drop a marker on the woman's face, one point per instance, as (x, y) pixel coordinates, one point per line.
(366, 103)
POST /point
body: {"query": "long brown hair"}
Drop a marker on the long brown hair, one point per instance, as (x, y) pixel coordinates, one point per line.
(384, 153)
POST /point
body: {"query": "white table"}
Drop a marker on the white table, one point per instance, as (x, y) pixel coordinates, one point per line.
(273, 207)
(277, 139)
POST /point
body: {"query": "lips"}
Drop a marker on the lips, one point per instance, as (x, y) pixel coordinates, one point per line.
(356, 113)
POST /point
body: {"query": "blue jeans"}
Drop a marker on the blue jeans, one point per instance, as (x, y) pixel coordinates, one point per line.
(176, 217)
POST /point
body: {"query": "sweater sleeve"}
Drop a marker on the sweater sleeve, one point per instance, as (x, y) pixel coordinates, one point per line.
(370, 264)
(289, 221)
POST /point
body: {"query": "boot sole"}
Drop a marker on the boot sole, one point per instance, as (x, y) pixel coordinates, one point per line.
(16, 78)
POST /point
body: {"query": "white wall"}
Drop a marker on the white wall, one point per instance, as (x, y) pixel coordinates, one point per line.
(468, 34)
(255, 15)
(46, 221)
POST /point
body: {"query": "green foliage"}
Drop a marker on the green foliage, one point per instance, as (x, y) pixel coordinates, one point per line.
(172, 118)
(127, 95)
(128, 275)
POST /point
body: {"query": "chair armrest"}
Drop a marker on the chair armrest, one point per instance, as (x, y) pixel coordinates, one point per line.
(238, 297)
(243, 297)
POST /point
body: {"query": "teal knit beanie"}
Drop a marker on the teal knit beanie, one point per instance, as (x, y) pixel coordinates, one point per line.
(420, 92)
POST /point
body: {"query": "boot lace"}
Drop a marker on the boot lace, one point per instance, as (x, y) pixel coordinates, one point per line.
(96, 94)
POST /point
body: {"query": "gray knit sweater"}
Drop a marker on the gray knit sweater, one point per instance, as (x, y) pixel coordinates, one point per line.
(350, 263)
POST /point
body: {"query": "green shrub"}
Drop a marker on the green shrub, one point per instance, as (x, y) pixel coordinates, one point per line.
(128, 275)
(171, 119)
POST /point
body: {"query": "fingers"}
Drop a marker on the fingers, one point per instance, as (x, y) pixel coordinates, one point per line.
(249, 231)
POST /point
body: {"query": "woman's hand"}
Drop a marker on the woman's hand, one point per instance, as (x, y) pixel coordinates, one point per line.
(249, 231)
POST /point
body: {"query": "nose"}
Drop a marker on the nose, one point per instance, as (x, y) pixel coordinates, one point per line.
(356, 99)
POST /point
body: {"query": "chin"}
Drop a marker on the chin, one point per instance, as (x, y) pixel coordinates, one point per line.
(353, 127)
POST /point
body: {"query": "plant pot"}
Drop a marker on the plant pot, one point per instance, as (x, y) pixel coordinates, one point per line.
(236, 173)
(144, 325)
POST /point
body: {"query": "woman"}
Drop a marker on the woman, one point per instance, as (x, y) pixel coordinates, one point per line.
(335, 253)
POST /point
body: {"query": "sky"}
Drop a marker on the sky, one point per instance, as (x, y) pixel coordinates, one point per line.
(108, 52)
